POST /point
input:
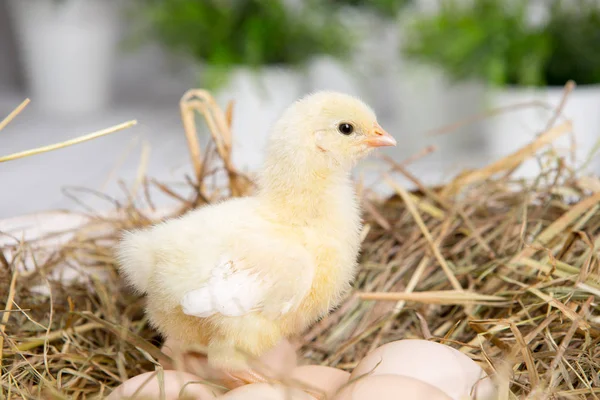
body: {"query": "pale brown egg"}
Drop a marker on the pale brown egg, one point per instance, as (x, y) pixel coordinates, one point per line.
(436, 364)
(265, 391)
(281, 359)
(321, 379)
(390, 387)
(148, 386)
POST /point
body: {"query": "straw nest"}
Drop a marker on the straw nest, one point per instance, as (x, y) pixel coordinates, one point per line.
(505, 270)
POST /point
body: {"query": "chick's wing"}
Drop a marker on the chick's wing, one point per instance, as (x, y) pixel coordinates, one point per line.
(273, 284)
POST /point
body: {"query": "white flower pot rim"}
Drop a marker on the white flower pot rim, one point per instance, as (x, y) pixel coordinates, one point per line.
(521, 88)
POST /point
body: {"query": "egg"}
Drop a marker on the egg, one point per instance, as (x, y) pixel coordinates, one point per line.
(281, 359)
(390, 387)
(148, 384)
(322, 379)
(265, 391)
(436, 364)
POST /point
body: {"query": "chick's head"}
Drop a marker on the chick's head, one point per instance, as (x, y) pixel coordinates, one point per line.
(330, 127)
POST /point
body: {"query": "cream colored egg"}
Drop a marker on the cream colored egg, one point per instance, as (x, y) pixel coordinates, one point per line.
(279, 361)
(265, 391)
(390, 387)
(436, 364)
(321, 379)
(147, 386)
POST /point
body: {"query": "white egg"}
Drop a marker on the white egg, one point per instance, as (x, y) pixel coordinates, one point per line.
(148, 384)
(321, 379)
(265, 391)
(278, 361)
(436, 364)
(390, 387)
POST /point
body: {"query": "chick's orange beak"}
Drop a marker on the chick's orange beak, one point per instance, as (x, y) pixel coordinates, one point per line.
(378, 137)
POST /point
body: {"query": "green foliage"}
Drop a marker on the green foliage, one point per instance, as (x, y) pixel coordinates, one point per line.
(493, 41)
(575, 43)
(387, 8)
(253, 33)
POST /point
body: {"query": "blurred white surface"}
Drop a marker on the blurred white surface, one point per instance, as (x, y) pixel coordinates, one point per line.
(37, 183)
(510, 131)
(259, 99)
(147, 86)
(68, 50)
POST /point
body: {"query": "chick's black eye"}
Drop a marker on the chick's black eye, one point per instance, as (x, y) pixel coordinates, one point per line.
(346, 128)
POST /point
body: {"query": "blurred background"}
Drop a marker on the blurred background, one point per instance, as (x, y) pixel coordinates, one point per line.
(427, 67)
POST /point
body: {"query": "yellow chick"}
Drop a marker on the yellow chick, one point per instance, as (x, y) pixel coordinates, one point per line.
(240, 275)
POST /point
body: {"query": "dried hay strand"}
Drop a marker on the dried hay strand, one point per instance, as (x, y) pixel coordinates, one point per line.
(505, 270)
(52, 147)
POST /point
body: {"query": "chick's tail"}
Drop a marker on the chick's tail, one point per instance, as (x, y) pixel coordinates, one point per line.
(135, 258)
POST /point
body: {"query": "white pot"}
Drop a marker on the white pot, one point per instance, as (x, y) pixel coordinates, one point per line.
(512, 130)
(68, 48)
(427, 101)
(413, 100)
(348, 76)
(327, 73)
(377, 63)
(260, 98)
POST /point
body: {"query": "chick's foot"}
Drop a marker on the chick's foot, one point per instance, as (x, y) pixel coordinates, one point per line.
(236, 379)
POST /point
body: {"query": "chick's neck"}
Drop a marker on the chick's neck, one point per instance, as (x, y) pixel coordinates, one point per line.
(301, 192)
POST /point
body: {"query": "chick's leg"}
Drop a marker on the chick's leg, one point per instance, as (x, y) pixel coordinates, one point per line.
(239, 346)
(234, 365)
(244, 367)
(226, 357)
(234, 379)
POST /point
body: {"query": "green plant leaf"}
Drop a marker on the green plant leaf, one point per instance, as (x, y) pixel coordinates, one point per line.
(495, 42)
(244, 33)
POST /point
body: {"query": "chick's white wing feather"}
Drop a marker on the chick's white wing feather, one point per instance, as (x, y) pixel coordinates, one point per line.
(231, 291)
(236, 288)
